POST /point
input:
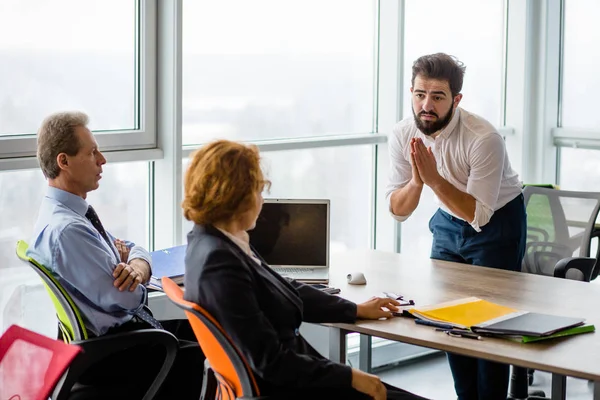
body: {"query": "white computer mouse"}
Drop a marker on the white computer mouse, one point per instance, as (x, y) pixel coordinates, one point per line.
(357, 278)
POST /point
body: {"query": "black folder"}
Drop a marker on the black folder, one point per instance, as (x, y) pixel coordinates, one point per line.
(528, 324)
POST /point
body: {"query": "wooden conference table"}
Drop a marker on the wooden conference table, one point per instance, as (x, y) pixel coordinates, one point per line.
(429, 281)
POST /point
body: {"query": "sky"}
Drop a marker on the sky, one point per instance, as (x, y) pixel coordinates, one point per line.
(67, 25)
(210, 26)
(277, 26)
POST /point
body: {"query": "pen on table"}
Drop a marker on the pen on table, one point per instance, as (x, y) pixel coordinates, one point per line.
(458, 333)
(435, 324)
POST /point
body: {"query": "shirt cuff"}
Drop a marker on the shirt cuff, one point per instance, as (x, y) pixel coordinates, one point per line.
(399, 218)
(483, 214)
(140, 252)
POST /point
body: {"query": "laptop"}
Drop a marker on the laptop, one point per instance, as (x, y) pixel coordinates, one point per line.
(293, 238)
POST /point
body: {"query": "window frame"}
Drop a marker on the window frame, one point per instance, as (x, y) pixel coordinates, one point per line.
(18, 151)
(567, 136)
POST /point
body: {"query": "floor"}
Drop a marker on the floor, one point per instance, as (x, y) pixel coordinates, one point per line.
(430, 377)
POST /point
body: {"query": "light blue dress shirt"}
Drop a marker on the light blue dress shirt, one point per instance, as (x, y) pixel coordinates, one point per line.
(66, 243)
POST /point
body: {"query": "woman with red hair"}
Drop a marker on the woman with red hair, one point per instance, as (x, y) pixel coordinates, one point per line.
(260, 310)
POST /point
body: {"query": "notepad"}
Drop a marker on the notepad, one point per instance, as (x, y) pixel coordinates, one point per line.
(483, 316)
(528, 324)
(566, 332)
(169, 262)
(462, 313)
(155, 284)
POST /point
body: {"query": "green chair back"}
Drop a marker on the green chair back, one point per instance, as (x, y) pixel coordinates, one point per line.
(70, 321)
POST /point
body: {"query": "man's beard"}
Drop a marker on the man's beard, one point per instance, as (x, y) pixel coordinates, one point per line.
(430, 127)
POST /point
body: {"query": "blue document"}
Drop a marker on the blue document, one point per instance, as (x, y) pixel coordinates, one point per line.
(169, 262)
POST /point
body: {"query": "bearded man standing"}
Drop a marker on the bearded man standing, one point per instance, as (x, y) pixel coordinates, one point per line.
(481, 219)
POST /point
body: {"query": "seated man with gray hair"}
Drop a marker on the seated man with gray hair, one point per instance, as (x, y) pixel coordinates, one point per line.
(104, 276)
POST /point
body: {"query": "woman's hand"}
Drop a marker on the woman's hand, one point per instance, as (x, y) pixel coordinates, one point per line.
(373, 309)
(368, 384)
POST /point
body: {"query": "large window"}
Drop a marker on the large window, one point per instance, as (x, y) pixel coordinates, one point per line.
(67, 55)
(580, 83)
(21, 193)
(122, 201)
(473, 31)
(122, 205)
(579, 169)
(268, 69)
(341, 174)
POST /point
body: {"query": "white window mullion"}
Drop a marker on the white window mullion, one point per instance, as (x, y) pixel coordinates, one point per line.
(168, 171)
(551, 94)
(389, 110)
(532, 79)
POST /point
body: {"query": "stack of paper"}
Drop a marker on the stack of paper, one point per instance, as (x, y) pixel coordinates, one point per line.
(565, 332)
(528, 324)
(486, 317)
(155, 284)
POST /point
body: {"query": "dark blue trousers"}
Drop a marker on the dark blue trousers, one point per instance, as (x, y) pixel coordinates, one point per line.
(500, 244)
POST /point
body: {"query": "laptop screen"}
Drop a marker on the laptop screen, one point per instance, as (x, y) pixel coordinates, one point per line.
(293, 232)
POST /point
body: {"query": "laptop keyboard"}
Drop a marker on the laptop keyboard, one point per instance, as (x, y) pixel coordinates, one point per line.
(292, 270)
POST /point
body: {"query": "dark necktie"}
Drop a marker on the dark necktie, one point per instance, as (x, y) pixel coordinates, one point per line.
(145, 315)
(93, 217)
(141, 313)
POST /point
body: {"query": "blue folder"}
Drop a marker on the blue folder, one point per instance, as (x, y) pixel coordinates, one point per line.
(169, 262)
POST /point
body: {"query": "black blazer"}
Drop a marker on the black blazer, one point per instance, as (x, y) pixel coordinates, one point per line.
(262, 311)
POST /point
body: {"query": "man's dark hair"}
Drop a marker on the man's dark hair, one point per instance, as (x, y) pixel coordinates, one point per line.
(440, 66)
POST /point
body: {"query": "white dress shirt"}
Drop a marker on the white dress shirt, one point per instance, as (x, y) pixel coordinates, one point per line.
(470, 155)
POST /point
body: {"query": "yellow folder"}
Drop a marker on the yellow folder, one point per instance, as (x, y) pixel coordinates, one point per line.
(462, 313)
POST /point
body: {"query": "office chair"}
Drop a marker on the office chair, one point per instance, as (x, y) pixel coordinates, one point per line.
(96, 349)
(560, 228)
(31, 364)
(560, 224)
(235, 379)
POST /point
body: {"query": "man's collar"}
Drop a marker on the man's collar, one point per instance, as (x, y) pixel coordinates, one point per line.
(447, 131)
(70, 200)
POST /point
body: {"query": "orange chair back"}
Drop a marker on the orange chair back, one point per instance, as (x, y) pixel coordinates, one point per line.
(234, 376)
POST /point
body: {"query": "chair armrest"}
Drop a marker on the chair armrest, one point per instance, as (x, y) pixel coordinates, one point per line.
(544, 254)
(99, 348)
(584, 264)
(595, 235)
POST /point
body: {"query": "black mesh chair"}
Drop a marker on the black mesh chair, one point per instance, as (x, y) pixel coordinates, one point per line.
(560, 225)
(560, 228)
(97, 350)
